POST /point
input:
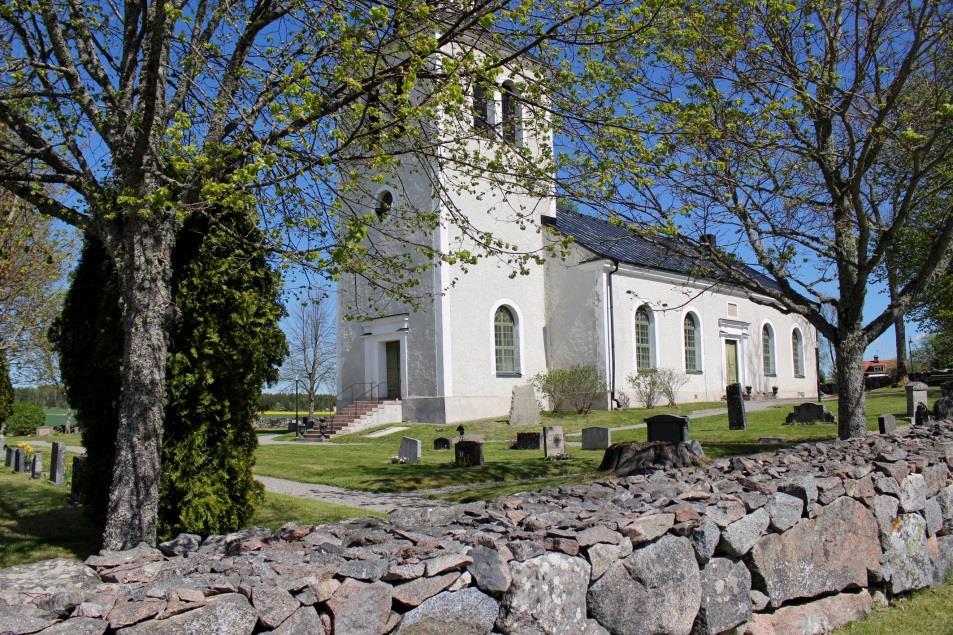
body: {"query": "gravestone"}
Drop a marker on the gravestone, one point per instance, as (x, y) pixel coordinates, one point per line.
(554, 442)
(529, 440)
(943, 408)
(58, 463)
(8, 459)
(441, 443)
(410, 450)
(36, 470)
(44, 431)
(809, 412)
(916, 394)
(668, 428)
(596, 438)
(524, 409)
(922, 416)
(887, 423)
(79, 465)
(737, 419)
(19, 460)
(468, 454)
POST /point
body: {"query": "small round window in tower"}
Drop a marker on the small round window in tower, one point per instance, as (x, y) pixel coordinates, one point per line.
(384, 203)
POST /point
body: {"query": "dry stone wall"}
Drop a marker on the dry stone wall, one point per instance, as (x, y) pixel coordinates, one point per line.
(799, 540)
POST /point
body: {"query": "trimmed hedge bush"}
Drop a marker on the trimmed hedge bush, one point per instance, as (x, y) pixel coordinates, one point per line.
(26, 418)
(6, 390)
(576, 387)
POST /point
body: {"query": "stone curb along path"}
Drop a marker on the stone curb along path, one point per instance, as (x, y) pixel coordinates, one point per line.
(799, 540)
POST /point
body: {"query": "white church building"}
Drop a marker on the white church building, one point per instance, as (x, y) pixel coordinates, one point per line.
(616, 302)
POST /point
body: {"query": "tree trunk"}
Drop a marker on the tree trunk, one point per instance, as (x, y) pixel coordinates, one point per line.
(143, 253)
(899, 328)
(900, 332)
(851, 409)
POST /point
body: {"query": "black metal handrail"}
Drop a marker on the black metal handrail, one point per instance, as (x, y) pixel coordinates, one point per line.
(372, 392)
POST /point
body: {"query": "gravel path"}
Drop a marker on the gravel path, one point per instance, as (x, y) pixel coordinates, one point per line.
(353, 498)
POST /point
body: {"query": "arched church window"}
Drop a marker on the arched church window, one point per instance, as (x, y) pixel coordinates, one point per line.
(644, 337)
(512, 113)
(481, 106)
(692, 344)
(797, 344)
(384, 204)
(767, 350)
(506, 340)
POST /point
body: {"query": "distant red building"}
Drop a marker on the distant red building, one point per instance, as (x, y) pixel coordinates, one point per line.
(879, 372)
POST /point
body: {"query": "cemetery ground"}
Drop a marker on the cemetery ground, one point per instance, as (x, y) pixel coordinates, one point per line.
(358, 462)
(37, 521)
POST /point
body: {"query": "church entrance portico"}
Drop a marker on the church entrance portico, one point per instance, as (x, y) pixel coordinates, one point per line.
(385, 356)
(734, 343)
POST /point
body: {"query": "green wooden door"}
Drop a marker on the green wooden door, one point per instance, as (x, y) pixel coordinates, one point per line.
(731, 360)
(392, 353)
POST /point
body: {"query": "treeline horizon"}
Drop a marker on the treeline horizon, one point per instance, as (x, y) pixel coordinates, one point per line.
(52, 396)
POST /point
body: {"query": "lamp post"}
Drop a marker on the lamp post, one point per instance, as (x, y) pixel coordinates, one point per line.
(910, 352)
(296, 403)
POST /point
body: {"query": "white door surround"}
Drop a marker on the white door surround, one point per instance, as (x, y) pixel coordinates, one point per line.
(738, 331)
(376, 334)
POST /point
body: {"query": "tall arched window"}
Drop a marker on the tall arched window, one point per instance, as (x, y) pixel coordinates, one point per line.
(644, 339)
(384, 203)
(506, 339)
(797, 344)
(481, 104)
(693, 362)
(512, 112)
(767, 349)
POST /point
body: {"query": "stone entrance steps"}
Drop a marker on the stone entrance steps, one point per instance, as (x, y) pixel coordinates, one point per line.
(357, 416)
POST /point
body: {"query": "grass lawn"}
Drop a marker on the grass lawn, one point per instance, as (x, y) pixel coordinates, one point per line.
(357, 462)
(37, 522)
(924, 612)
(68, 439)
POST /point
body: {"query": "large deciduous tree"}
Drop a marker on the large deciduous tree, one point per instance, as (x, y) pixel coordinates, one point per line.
(124, 119)
(770, 125)
(224, 343)
(33, 259)
(312, 346)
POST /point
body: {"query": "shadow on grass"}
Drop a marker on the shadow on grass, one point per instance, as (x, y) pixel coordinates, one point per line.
(37, 522)
(412, 477)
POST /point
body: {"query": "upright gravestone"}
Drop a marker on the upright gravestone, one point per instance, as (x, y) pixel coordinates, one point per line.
(596, 438)
(19, 460)
(36, 470)
(524, 409)
(410, 450)
(79, 464)
(8, 459)
(554, 442)
(529, 440)
(916, 394)
(887, 423)
(668, 428)
(809, 412)
(922, 416)
(737, 420)
(468, 453)
(441, 443)
(943, 408)
(58, 463)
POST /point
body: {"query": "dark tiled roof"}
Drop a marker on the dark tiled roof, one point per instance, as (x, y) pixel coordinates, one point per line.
(621, 245)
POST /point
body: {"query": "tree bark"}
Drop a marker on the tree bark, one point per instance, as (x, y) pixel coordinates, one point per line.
(143, 255)
(899, 327)
(851, 407)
